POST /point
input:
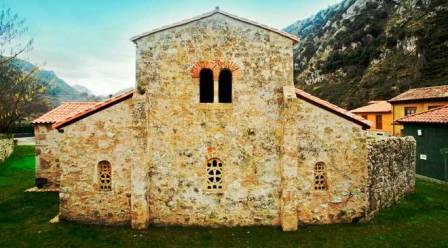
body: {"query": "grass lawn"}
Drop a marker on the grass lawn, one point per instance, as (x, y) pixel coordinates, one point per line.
(419, 220)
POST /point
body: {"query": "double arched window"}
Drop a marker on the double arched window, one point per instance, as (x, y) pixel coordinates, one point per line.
(207, 86)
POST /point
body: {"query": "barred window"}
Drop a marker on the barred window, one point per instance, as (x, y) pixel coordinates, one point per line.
(214, 174)
(320, 179)
(105, 175)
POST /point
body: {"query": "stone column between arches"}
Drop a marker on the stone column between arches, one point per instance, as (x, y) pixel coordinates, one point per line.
(289, 161)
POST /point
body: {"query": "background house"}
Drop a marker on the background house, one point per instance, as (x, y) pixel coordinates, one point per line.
(416, 101)
(379, 113)
(430, 130)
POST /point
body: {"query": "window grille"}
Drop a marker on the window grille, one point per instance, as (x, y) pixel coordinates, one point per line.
(214, 174)
(320, 180)
(105, 175)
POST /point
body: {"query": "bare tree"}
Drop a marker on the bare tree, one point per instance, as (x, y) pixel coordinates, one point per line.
(21, 94)
(12, 29)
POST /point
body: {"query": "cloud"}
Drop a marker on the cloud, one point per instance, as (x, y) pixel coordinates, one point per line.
(88, 43)
(103, 73)
(102, 76)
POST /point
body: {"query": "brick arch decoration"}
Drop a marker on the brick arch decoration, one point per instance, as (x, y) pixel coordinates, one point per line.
(216, 66)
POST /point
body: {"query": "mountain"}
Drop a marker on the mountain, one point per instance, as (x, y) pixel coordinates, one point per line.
(362, 50)
(57, 90)
(82, 89)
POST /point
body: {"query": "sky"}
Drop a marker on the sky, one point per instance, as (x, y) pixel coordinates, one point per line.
(87, 42)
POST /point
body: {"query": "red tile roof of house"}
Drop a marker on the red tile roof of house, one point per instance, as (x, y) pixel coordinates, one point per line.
(65, 110)
(333, 108)
(374, 107)
(217, 11)
(93, 109)
(433, 93)
(432, 116)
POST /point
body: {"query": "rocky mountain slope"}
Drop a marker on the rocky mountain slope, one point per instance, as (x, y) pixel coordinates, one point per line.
(82, 89)
(362, 50)
(57, 90)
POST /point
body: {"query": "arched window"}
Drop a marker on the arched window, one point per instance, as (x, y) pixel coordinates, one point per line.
(320, 178)
(225, 86)
(206, 85)
(214, 174)
(105, 175)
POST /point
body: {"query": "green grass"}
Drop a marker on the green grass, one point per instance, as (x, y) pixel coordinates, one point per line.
(419, 220)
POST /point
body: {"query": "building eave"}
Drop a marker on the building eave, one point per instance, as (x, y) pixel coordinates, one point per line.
(419, 100)
(90, 111)
(365, 124)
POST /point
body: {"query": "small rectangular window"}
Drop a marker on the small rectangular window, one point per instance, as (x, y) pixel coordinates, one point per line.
(379, 121)
(410, 110)
(364, 116)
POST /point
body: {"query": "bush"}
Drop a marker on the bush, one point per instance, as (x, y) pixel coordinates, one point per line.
(23, 128)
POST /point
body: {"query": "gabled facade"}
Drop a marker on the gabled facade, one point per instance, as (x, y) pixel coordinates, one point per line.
(215, 134)
(379, 113)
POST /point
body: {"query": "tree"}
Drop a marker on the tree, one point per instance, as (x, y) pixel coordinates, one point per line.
(12, 29)
(21, 95)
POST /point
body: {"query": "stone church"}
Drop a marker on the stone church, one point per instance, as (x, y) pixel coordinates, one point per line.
(214, 134)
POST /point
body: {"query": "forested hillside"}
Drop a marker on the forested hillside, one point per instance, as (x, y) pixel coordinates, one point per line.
(362, 50)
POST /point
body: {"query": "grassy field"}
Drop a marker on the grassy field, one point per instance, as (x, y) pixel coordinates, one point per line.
(419, 220)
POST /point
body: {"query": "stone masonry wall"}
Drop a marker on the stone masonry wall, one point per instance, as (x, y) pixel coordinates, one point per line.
(391, 170)
(182, 134)
(341, 146)
(267, 139)
(83, 144)
(6, 148)
(47, 161)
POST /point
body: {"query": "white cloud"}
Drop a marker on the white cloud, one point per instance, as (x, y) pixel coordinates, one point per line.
(101, 57)
(101, 73)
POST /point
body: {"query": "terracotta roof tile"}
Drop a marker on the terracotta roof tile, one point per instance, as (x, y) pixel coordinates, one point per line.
(217, 11)
(434, 116)
(333, 108)
(436, 92)
(93, 109)
(65, 110)
(87, 109)
(374, 107)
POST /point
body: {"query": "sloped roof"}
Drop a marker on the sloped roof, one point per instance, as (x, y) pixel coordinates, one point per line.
(436, 92)
(93, 109)
(374, 107)
(214, 12)
(65, 110)
(333, 108)
(432, 116)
